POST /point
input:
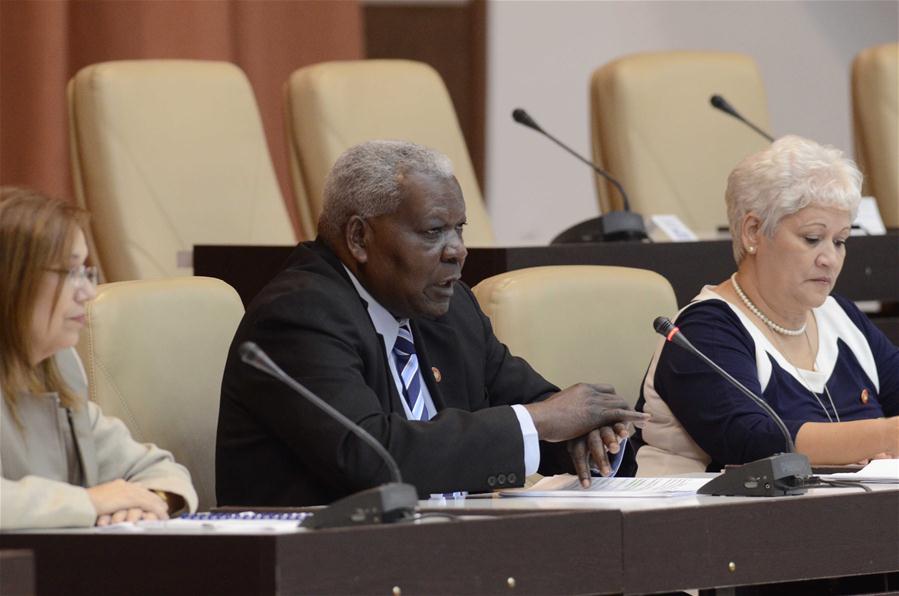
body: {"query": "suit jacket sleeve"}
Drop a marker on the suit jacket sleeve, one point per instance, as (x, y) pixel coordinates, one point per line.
(510, 380)
(120, 456)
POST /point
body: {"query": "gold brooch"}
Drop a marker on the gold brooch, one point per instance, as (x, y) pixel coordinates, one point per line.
(864, 397)
(438, 376)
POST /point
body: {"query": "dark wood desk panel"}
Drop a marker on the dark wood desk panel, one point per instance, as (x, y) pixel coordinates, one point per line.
(767, 540)
(545, 553)
(16, 572)
(245, 268)
(595, 551)
(871, 270)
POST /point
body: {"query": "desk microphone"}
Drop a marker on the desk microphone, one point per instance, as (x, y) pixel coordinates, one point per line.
(720, 103)
(388, 503)
(614, 225)
(774, 476)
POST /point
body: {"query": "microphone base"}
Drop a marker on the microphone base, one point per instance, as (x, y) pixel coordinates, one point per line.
(614, 226)
(383, 504)
(776, 476)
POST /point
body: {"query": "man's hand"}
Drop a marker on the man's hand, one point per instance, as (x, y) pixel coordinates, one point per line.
(591, 417)
(576, 411)
(596, 445)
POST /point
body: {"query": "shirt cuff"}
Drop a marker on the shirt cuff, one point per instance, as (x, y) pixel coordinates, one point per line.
(530, 439)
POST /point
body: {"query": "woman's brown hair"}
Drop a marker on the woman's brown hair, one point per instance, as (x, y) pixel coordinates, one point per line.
(36, 234)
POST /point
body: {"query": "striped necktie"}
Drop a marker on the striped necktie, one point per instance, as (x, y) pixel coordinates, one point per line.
(407, 367)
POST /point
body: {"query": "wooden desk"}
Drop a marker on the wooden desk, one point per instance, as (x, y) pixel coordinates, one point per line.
(16, 572)
(871, 270)
(587, 547)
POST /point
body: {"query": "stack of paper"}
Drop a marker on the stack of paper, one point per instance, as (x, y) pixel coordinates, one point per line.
(568, 486)
(245, 522)
(884, 471)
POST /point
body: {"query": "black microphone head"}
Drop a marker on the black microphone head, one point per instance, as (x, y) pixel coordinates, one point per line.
(663, 325)
(720, 103)
(522, 117)
(248, 351)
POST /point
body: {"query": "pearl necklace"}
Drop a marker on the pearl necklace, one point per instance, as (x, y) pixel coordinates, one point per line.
(755, 310)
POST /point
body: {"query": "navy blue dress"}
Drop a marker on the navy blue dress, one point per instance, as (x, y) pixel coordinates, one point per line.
(855, 359)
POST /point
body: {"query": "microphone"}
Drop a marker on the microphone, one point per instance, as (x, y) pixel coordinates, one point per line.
(522, 117)
(720, 103)
(777, 475)
(388, 503)
(615, 225)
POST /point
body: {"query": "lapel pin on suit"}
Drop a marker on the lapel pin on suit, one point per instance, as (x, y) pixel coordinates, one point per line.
(436, 372)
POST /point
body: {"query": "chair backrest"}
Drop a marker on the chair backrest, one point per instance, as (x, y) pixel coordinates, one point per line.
(875, 118)
(154, 352)
(334, 105)
(167, 154)
(580, 323)
(654, 130)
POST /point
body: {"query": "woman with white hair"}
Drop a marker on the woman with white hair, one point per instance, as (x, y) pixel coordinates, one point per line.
(813, 357)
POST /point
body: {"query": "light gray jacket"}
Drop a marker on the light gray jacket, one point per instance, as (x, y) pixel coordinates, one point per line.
(34, 458)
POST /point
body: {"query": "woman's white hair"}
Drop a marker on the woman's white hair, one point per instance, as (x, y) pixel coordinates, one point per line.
(366, 180)
(790, 175)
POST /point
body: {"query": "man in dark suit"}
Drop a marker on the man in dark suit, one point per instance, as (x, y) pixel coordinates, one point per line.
(372, 317)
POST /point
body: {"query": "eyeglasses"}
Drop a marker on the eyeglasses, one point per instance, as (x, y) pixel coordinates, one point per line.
(80, 275)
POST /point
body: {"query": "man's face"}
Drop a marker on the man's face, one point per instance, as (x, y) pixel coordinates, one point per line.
(412, 258)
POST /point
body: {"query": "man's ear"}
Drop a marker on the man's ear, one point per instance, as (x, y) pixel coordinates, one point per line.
(357, 232)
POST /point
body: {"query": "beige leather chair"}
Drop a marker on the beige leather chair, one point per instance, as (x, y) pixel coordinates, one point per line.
(154, 352)
(334, 105)
(167, 154)
(580, 323)
(875, 118)
(654, 130)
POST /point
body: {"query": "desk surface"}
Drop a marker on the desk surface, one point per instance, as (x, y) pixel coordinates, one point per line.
(544, 545)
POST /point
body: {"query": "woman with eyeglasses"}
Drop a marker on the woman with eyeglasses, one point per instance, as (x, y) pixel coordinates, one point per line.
(62, 462)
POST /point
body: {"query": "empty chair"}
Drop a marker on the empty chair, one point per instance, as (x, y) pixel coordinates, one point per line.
(654, 130)
(580, 323)
(334, 105)
(154, 352)
(167, 154)
(875, 118)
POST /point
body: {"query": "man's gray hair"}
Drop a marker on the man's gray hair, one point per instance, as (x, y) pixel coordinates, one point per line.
(367, 181)
(791, 174)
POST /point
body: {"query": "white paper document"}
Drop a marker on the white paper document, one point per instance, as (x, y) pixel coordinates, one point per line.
(878, 471)
(869, 218)
(237, 523)
(568, 486)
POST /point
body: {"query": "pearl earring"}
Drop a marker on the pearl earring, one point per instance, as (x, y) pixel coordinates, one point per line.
(751, 250)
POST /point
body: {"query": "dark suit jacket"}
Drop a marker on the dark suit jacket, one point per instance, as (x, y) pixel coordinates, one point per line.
(276, 448)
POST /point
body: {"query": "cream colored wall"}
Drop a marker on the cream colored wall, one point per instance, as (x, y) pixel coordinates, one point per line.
(540, 56)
